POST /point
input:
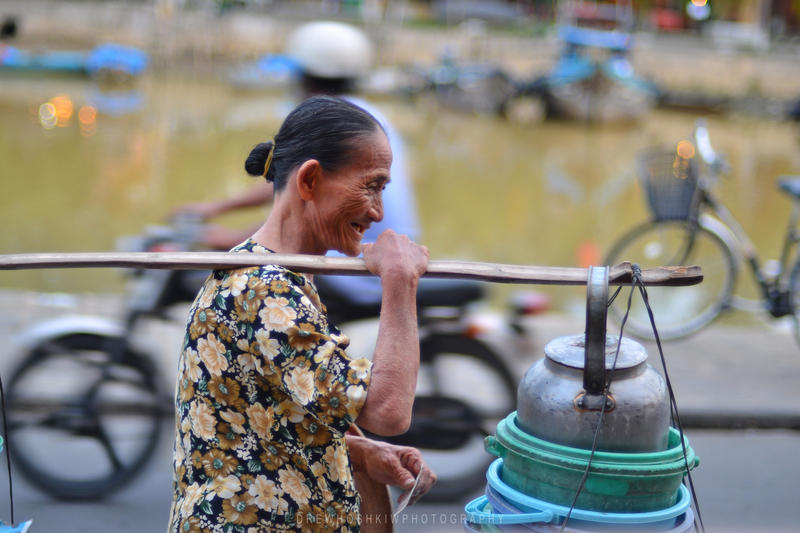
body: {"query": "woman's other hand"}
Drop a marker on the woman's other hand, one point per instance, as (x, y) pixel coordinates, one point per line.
(221, 238)
(396, 256)
(204, 210)
(393, 465)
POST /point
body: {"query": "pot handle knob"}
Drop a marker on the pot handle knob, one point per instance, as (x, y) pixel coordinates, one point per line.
(594, 363)
(493, 447)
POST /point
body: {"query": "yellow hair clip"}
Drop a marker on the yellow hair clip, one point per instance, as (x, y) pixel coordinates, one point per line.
(269, 160)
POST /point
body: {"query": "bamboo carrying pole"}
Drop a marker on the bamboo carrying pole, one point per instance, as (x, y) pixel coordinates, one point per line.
(499, 273)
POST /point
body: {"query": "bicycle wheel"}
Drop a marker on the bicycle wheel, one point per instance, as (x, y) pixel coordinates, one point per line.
(678, 311)
(82, 420)
(469, 389)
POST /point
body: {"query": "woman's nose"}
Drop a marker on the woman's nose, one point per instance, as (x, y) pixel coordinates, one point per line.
(376, 209)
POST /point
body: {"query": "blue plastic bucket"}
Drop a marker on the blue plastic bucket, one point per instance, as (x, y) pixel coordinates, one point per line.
(500, 505)
(515, 507)
(491, 518)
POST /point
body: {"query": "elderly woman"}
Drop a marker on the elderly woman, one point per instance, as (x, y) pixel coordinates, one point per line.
(267, 397)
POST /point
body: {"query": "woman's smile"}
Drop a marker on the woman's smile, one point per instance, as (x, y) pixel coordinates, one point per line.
(350, 200)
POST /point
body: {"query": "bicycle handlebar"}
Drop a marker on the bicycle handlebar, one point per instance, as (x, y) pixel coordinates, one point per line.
(703, 142)
(716, 162)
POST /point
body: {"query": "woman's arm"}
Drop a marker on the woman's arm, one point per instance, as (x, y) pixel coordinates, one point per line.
(258, 195)
(219, 237)
(399, 262)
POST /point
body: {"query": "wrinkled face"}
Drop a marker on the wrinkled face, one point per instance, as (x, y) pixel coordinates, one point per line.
(349, 200)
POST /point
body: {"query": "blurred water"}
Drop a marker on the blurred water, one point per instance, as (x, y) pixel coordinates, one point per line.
(548, 193)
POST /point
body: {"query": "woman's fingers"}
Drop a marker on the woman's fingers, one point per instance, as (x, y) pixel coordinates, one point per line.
(395, 253)
(422, 484)
(426, 482)
(425, 478)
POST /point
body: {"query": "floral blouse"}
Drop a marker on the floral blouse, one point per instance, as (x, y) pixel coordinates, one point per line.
(265, 393)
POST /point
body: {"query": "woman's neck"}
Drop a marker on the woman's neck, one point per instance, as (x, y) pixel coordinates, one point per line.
(283, 231)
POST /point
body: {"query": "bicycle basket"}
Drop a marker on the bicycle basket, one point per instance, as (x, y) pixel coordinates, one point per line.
(670, 184)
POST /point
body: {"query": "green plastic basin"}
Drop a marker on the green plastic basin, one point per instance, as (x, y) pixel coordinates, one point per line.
(617, 482)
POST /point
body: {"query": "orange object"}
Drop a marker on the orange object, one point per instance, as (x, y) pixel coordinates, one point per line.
(589, 254)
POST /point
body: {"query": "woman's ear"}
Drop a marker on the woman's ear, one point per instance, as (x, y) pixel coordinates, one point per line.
(308, 178)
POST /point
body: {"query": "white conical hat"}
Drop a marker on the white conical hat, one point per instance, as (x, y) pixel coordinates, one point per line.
(330, 49)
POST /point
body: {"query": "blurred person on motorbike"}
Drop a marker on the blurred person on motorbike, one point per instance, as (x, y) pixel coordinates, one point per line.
(332, 57)
(267, 397)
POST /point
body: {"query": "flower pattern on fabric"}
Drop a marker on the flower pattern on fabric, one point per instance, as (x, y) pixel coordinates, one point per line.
(264, 395)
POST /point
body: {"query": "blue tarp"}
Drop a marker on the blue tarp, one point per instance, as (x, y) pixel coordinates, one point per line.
(571, 69)
(105, 57)
(613, 40)
(116, 57)
(11, 57)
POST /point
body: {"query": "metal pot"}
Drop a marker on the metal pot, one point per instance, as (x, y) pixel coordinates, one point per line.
(564, 397)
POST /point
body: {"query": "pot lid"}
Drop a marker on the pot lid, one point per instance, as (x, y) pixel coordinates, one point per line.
(570, 351)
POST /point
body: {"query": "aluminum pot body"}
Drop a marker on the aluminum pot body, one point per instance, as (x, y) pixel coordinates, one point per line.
(552, 403)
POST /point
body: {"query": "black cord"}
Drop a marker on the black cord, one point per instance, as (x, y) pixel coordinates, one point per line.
(8, 454)
(637, 276)
(614, 297)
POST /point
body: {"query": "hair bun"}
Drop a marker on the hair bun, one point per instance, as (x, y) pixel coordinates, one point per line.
(258, 162)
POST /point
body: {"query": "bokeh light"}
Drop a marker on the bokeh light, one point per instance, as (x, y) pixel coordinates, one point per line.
(87, 119)
(64, 110)
(57, 111)
(685, 149)
(681, 164)
(47, 115)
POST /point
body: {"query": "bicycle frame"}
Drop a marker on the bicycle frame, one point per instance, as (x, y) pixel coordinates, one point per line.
(774, 290)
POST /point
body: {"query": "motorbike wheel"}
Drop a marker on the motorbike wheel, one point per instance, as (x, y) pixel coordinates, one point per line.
(464, 389)
(84, 415)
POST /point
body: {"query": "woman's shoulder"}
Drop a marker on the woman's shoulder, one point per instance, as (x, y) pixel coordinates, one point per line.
(251, 247)
(268, 272)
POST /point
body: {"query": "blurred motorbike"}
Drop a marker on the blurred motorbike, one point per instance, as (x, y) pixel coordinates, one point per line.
(86, 404)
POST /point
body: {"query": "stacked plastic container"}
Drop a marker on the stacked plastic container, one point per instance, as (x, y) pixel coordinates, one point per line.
(532, 485)
(589, 392)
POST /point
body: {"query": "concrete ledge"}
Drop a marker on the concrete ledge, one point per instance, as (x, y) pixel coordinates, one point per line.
(737, 420)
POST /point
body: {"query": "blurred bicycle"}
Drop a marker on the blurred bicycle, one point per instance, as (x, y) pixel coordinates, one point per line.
(691, 226)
